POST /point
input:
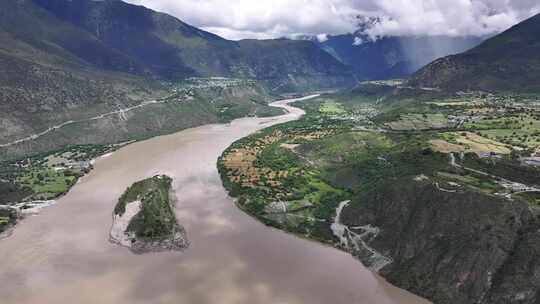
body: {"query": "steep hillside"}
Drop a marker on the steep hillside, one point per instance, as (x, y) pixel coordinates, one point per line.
(43, 82)
(191, 103)
(429, 195)
(393, 57)
(170, 49)
(452, 247)
(288, 65)
(509, 61)
(66, 62)
(34, 34)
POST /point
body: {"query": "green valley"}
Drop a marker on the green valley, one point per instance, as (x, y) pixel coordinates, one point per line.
(397, 180)
(370, 173)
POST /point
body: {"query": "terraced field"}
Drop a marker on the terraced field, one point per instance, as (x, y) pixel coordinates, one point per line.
(413, 121)
(469, 142)
(297, 176)
(275, 181)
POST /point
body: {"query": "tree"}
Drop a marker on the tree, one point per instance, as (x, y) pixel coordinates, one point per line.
(514, 154)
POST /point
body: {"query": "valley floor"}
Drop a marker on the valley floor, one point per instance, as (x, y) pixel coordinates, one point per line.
(65, 253)
(407, 187)
(39, 168)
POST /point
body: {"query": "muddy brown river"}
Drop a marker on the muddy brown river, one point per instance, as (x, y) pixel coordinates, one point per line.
(63, 254)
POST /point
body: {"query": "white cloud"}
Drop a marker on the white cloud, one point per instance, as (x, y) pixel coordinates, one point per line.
(261, 18)
(449, 17)
(240, 19)
(322, 37)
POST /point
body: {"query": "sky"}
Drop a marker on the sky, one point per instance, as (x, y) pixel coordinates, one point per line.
(262, 19)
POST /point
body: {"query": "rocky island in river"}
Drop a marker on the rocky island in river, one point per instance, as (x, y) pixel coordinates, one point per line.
(143, 219)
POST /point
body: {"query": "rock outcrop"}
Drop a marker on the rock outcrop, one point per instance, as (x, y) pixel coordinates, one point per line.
(452, 247)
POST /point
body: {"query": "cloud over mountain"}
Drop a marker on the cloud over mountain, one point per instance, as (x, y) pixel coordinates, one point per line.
(276, 18)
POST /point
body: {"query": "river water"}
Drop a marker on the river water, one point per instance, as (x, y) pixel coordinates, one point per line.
(63, 255)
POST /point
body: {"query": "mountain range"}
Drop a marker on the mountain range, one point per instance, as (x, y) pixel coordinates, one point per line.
(392, 56)
(103, 73)
(64, 61)
(117, 36)
(509, 61)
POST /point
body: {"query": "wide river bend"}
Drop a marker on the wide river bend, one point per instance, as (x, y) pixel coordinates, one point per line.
(63, 254)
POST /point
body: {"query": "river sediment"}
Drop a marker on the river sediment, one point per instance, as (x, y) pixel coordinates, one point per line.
(64, 253)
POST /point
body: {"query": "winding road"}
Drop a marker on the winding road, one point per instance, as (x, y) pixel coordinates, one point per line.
(64, 254)
(515, 187)
(120, 112)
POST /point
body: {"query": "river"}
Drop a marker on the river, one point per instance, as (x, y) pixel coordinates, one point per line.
(63, 254)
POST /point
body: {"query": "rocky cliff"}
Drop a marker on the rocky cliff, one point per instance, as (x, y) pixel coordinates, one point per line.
(453, 247)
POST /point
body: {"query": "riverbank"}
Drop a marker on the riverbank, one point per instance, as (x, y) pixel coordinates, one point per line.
(37, 182)
(395, 199)
(65, 253)
(190, 103)
(143, 218)
(27, 181)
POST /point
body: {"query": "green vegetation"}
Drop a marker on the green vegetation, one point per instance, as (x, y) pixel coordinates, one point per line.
(8, 218)
(98, 76)
(519, 127)
(48, 183)
(414, 121)
(532, 197)
(48, 175)
(276, 158)
(331, 107)
(426, 182)
(156, 219)
(228, 112)
(278, 173)
(294, 175)
(507, 62)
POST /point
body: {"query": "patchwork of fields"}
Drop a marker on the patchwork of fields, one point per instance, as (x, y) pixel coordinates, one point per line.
(294, 176)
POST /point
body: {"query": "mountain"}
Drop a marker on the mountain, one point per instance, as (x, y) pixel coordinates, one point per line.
(167, 48)
(393, 56)
(42, 80)
(72, 60)
(509, 61)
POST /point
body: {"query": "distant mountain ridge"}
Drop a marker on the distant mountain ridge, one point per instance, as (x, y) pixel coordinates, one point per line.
(156, 44)
(392, 56)
(509, 61)
(70, 60)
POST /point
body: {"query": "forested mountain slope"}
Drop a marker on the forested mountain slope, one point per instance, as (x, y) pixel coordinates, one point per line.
(509, 61)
